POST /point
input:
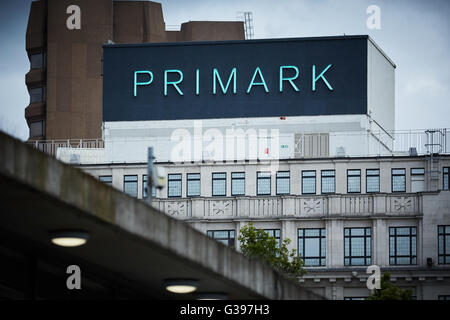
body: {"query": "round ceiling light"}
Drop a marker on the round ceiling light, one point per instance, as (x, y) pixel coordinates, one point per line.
(69, 238)
(181, 285)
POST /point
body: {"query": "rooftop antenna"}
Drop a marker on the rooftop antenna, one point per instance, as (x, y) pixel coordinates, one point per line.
(247, 18)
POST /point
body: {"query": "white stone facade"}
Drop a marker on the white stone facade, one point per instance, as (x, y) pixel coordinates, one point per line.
(424, 210)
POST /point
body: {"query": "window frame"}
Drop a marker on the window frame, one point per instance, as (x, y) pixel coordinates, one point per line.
(322, 178)
(137, 184)
(348, 176)
(397, 175)
(105, 182)
(444, 178)
(168, 184)
(43, 94)
(282, 178)
(263, 178)
(373, 175)
(191, 179)
(322, 238)
(218, 179)
(234, 179)
(445, 235)
(367, 258)
(396, 256)
(232, 245)
(315, 181)
(277, 238)
(42, 53)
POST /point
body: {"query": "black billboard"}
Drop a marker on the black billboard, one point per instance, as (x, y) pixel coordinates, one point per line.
(231, 79)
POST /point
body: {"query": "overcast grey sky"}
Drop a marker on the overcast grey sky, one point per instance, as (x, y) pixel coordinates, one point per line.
(414, 34)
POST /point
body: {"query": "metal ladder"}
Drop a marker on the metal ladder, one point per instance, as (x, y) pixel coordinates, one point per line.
(434, 145)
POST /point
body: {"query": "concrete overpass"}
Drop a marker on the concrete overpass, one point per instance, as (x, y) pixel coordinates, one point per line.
(131, 249)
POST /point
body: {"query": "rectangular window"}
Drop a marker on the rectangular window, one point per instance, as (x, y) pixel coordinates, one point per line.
(357, 246)
(263, 183)
(283, 182)
(37, 94)
(328, 181)
(443, 244)
(445, 179)
(224, 236)
(238, 183)
(130, 185)
(219, 184)
(444, 297)
(312, 246)
(144, 188)
(193, 184)
(417, 179)
(372, 180)
(37, 128)
(106, 180)
(402, 245)
(353, 181)
(398, 180)
(274, 233)
(308, 182)
(37, 61)
(174, 185)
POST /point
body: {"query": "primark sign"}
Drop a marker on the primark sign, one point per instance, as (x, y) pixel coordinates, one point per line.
(233, 79)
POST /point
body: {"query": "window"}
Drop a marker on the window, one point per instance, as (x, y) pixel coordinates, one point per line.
(193, 184)
(224, 236)
(417, 179)
(219, 184)
(174, 185)
(398, 180)
(312, 246)
(37, 94)
(37, 61)
(283, 182)
(444, 297)
(446, 178)
(308, 182)
(328, 181)
(274, 233)
(263, 183)
(443, 244)
(144, 188)
(402, 245)
(357, 246)
(355, 298)
(372, 180)
(37, 128)
(130, 185)
(106, 179)
(353, 181)
(238, 183)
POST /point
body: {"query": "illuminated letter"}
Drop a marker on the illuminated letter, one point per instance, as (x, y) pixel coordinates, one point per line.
(174, 83)
(217, 76)
(288, 79)
(252, 83)
(141, 83)
(197, 80)
(314, 78)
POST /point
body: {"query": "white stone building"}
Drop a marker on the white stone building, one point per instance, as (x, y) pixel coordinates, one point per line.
(389, 209)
